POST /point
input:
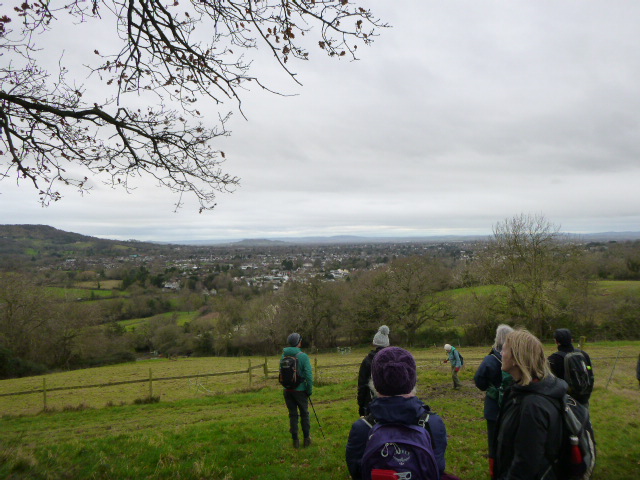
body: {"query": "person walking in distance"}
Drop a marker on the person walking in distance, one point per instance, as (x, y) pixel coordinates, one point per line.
(455, 360)
(365, 394)
(296, 370)
(489, 379)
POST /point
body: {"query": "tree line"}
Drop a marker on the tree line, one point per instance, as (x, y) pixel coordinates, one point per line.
(527, 274)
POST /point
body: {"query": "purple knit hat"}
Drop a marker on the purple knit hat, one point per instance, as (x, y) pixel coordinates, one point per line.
(393, 371)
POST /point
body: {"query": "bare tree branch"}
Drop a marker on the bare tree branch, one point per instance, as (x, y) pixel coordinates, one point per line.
(180, 52)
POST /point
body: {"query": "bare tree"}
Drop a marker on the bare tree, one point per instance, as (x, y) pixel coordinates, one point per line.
(537, 265)
(156, 56)
(310, 307)
(415, 292)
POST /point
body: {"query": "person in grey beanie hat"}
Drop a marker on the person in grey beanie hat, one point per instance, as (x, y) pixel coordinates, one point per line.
(365, 394)
(297, 398)
(294, 339)
(394, 377)
(381, 338)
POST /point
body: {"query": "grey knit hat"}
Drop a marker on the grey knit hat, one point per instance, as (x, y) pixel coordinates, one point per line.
(294, 339)
(393, 371)
(381, 339)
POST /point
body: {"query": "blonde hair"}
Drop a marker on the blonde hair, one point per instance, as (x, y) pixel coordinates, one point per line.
(528, 355)
(501, 334)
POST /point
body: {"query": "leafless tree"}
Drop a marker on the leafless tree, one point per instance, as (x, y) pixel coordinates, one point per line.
(537, 265)
(169, 56)
(416, 294)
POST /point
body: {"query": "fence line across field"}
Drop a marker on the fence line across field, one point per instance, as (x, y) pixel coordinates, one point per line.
(267, 373)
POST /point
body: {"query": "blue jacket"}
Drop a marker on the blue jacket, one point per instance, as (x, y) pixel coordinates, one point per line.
(394, 410)
(490, 373)
(305, 368)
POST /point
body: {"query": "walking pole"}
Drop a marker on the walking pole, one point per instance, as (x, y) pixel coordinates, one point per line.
(614, 367)
(314, 412)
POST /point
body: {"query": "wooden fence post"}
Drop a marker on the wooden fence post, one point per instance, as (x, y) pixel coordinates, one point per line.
(266, 369)
(583, 340)
(249, 370)
(150, 385)
(44, 392)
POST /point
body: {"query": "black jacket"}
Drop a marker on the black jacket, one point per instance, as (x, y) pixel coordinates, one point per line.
(529, 431)
(490, 373)
(556, 362)
(364, 392)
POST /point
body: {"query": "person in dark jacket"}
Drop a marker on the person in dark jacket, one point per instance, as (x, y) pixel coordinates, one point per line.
(529, 429)
(564, 341)
(488, 378)
(297, 400)
(394, 377)
(365, 394)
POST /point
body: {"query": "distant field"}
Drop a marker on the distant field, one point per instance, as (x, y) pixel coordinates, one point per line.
(224, 429)
(104, 284)
(602, 287)
(182, 318)
(72, 294)
(613, 287)
(482, 290)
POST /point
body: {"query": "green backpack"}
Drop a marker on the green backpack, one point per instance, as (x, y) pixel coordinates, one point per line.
(497, 393)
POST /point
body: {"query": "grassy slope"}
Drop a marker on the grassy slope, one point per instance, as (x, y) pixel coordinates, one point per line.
(243, 435)
(181, 319)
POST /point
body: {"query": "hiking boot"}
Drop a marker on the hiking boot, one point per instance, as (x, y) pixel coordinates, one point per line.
(307, 442)
(296, 443)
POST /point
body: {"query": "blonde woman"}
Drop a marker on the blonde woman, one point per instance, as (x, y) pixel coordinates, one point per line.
(529, 429)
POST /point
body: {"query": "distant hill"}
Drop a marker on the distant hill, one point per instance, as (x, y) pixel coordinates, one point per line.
(354, 239)
(333, 240)
(35, 243)
(25, 246)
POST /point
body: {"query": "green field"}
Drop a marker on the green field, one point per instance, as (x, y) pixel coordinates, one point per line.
(104, 284)
(225, 428)
(71, 294)
(617, 287)
(181, 319)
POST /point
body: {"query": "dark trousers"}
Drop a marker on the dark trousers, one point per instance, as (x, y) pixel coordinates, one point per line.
(298, 401)
(491, 433)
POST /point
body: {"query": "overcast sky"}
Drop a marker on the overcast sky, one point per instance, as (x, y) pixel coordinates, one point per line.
(462, 114)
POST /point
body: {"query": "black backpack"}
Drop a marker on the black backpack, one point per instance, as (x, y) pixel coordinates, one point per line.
(578, 375)
(578, 455)
(289, 376)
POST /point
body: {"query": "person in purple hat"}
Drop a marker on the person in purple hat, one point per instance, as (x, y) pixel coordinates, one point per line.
(394, 377)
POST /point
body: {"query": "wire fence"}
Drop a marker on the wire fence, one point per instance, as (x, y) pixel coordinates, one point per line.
(261, 373)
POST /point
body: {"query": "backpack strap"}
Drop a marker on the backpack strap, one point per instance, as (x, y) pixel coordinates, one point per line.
(423, 421)
(496, 357)
(369, 420)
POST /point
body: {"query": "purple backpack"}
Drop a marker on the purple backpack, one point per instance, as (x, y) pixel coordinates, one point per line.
(398, 451)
